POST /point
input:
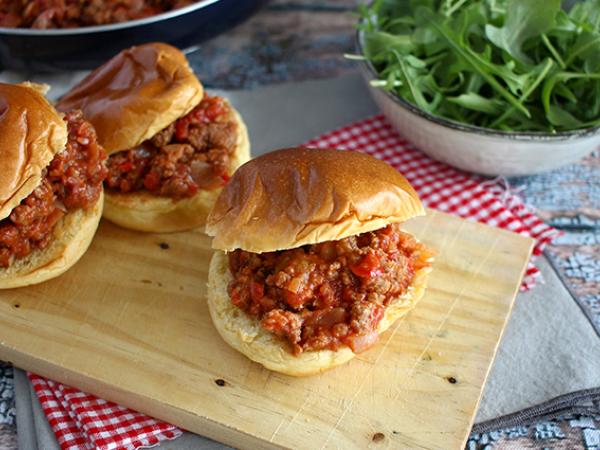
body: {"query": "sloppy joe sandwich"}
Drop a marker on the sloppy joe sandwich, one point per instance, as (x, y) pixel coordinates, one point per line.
(171, 146)
(51, 174)
(312, 264)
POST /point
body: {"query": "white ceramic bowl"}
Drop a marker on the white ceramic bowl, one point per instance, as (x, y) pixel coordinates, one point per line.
(476, 149)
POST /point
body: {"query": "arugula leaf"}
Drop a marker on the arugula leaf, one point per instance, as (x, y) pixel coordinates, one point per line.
(476, 102)
(587, 15)
(378, 44)
(562, 90)
(541, 70)
(557, 77)
(586, 46)
(562, 118)
(524, 19)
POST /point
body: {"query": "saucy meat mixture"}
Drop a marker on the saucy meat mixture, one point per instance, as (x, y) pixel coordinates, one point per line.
(326, 295)
(46, 14)
(73, 180)
(192, 153)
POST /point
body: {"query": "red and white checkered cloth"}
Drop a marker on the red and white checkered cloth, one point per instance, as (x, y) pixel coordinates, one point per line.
(82, 421)
(444, 188)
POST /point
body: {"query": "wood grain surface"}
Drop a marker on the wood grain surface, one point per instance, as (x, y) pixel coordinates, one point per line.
(129, 323)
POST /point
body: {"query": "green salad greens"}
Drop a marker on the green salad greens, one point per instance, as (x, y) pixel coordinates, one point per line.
(513, 65)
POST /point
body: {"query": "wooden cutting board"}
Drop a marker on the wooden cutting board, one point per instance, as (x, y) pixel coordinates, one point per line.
(129, 323)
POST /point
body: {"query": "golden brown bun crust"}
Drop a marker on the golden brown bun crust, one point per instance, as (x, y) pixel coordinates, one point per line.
(247, 336)
(31, 133)
(135, 94)
(305, 196)
(72, 237)
(145, 212)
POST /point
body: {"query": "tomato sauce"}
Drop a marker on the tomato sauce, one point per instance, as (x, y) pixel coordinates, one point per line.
(326, 295)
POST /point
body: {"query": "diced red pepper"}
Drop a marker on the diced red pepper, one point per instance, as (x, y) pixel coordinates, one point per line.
(235, 295)
(182, 128)
(152, 181)
(209, 110)
(127, 166)
(267, 304)
(257, 290)
(294, 300)
(368, 267)
(193, 189)
(214, 110)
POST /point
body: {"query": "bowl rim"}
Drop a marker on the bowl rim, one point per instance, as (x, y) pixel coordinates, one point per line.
(369, 69)
(109, 27)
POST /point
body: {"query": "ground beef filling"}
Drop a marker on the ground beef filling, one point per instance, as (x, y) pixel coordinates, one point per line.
(326, 295)
(192, 153)
(46, 14)
(73, 180)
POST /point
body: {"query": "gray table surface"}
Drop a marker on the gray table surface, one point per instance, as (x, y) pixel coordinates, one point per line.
(549, 347)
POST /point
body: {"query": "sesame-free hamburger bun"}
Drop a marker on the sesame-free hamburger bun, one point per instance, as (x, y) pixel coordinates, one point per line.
(32, 132)
(130, 99)
(292, 198)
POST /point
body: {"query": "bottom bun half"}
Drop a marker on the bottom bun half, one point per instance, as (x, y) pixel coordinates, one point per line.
(72, 237)
(245, 334)
(142, 211)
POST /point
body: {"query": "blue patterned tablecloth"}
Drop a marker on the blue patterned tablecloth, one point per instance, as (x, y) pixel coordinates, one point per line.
(7, 407)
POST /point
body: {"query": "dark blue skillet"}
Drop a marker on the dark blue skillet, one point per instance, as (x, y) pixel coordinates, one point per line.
(87, 47)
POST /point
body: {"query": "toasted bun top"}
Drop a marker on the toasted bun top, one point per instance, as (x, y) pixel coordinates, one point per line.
(135, 94)
(297, 196)
(31, 133)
